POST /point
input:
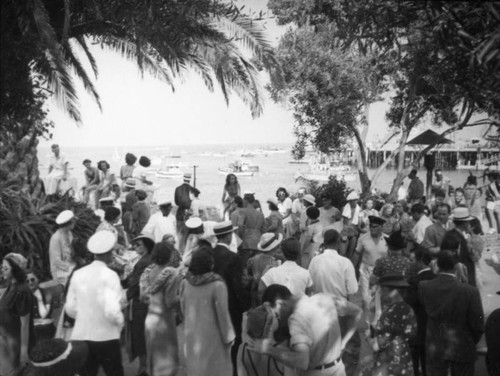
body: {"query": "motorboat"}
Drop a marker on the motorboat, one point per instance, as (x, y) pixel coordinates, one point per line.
(321, 172)
(239, 168)
(172, 171)
(241, 174)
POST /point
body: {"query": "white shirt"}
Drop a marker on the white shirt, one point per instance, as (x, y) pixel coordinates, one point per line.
(347, 213)
(94, 300)
(419, 228)
(158, 226)
(290, 275)
(284, 206)
(333, 274)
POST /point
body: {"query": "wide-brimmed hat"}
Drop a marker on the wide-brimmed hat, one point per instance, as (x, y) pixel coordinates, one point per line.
(58, 357)
(309, 198)
(130, 183)
(353, 196)
(194, 225)
(393, 280)
(107, 199)
(396, 241)
(146, 238)
(64, 217)
(101, 242)
(461, 214)
(269, 241)
(273, 201)
(18, 259)
(376, 220)
(225, 227)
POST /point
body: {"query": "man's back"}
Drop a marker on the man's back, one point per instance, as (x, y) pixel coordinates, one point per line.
(333, 274)
(455, 318)
(93, 299)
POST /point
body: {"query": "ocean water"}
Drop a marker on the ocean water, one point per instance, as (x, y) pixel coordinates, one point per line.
(275, 169)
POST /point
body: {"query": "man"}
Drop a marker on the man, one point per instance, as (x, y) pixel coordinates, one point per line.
(462, 231)
(58, 171)
(94, 300)
(440, 182)
(229, 266)
(289, 274)
(455, 320)
(415, 189)
(417, 234)
(254, 223)
(183, 202)
(104, 203)
(434, 234)
(161, 223)
(61, 263)
(421, 264)
(439, 198)
(371, 246)
(332, 273)
(458, 199)
(328, 214)
(297, 209)
(91, 175)
(316, 342)
(197, 230)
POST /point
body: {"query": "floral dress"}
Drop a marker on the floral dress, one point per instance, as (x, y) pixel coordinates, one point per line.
(393, 332)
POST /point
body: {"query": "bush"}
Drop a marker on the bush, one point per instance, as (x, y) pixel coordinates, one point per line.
(27, 225)
(337, 189)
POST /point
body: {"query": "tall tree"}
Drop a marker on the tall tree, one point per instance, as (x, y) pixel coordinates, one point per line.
(434, 47)
(164, 37)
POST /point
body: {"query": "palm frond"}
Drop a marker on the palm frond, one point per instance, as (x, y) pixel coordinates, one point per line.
(80, 39)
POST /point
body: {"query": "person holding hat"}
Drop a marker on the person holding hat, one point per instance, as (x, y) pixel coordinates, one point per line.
(208, 330)
(161, 223)
(371, 247)
(458, 238)
(267, 258)
(455, 320)
(254, 223)
(91, 175)
(16, 321)
(61, 263)
(183, 202)
(229, 266)
(390, 336)
(137, 310)
(274, 221)
(94, 300)
(159, 286)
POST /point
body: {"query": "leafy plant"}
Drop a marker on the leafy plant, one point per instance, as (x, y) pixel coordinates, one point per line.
(336, 188)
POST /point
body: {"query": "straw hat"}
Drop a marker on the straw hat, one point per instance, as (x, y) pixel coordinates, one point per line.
(353, 196)
(225, 227)
(269, 241)
(461, 214)
(310, 198)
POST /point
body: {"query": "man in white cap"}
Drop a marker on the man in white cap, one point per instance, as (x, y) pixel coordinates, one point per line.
(183, 202)
(61, 263)
(461, 220)
(350, 216)
(95, 299)
(161, 223)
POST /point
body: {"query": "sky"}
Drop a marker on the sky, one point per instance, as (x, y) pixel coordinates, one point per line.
(142, 111)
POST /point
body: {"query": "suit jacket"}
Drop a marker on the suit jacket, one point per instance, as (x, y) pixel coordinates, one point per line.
(414, 302)
(455, 318)
(229, 266)
(182, 200)
(464, 255)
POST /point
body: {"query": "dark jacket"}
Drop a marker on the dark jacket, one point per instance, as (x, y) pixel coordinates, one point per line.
(464, 255)
(412, 300)
(229, 266)
(455, 318)
(182, 200)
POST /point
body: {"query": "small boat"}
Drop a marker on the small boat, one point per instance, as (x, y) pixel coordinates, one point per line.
(228, 170)
(247, 154)
(169, 172)
(298, 161)
(239, 168)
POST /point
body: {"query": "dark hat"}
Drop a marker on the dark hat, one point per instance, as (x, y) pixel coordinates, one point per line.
(376, 220)
(396, 241)
(147, 239)
(393, 280)
(202, 262)
(58, 357)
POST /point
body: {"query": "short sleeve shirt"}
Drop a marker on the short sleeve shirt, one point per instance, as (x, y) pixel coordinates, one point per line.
(370, 249)
(315, 322)
(285, 205)
(290, 275)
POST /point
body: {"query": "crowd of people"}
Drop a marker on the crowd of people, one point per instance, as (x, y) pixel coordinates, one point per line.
(306, 290)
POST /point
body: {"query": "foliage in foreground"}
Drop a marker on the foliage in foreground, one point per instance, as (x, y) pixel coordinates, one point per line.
(27, 224)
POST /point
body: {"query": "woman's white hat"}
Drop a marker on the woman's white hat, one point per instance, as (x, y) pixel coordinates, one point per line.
(64, 217)
(309, 198)
(101, 242)
(269, 241)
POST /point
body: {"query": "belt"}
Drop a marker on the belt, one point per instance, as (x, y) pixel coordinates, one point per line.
(328, 365)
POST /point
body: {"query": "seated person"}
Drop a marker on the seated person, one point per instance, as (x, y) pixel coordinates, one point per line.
(44, 324)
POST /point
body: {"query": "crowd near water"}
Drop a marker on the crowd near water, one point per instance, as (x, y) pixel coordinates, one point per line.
(288, 284)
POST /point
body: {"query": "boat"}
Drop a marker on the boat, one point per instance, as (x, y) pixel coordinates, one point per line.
(239, 168)
(247, 154)
(241, 174)
(481, 164)
(172, 171)
(321, 172)
(298, 161)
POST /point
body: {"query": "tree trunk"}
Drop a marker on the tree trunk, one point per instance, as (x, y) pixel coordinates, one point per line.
(363, 168)
(400, 175)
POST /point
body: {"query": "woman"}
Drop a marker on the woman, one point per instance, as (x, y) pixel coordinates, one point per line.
(309, 242)
(106, 179)
(274, 221)
(391, 223)
(285, 209)
(368, 210)
(175, 257)
(390, 337)
(127, 170)
(137, 310)
(405, 222)
(141, 175)
(44, 324)
(209, 333)
(492, 198)
(231, 190)
(16, 319)
(159, 286)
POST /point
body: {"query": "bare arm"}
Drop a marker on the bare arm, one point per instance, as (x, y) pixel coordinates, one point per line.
(295, 357)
